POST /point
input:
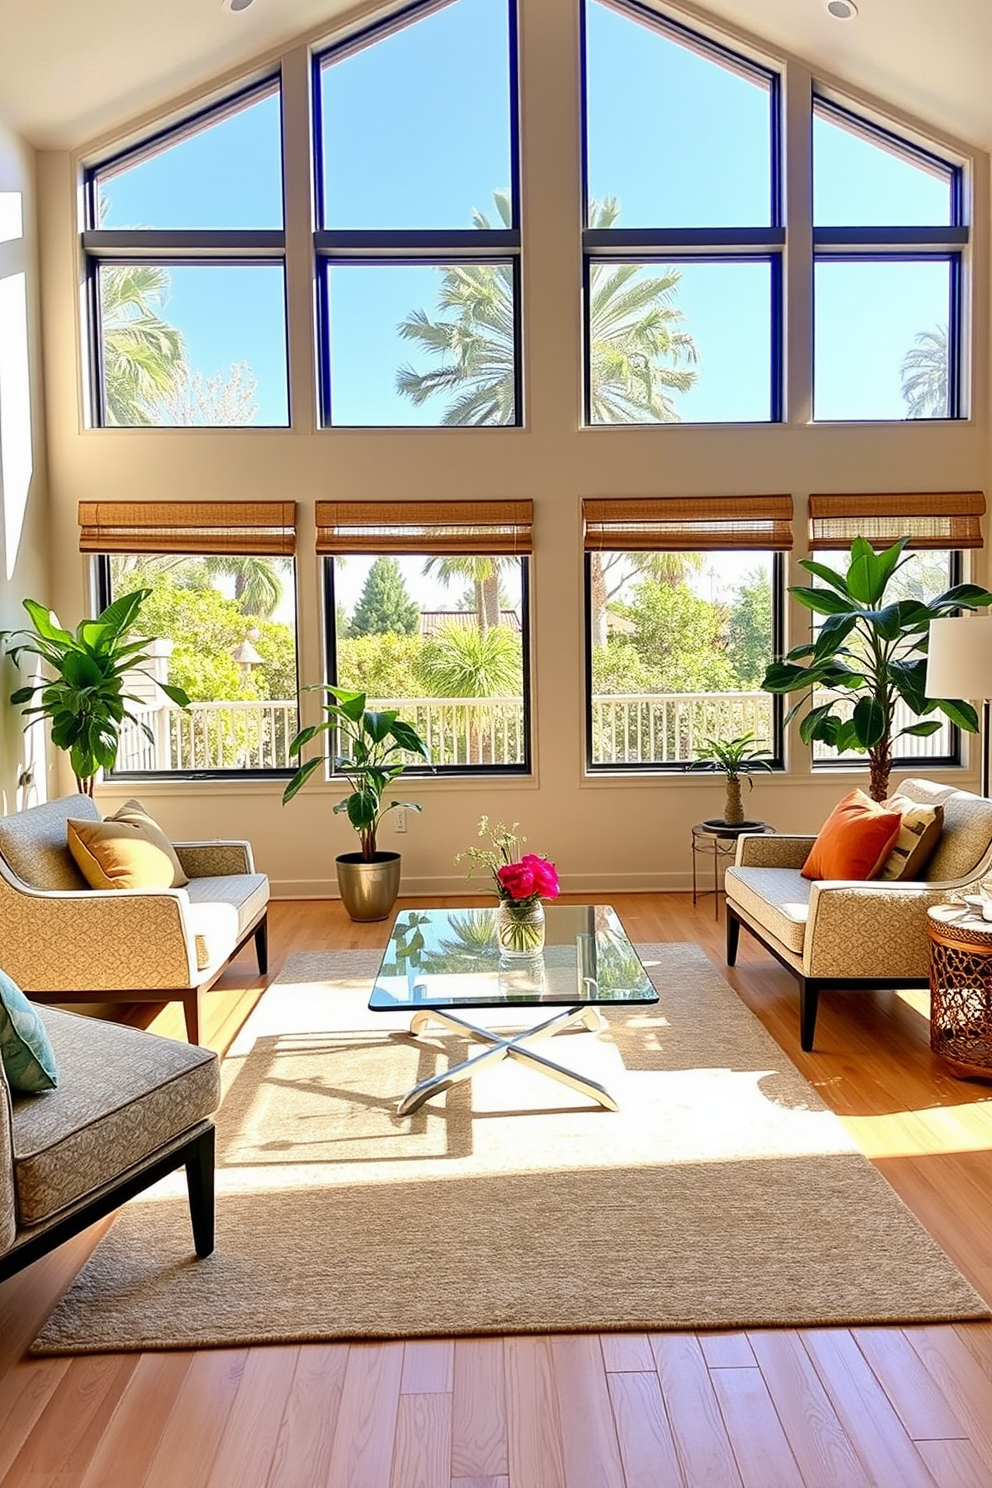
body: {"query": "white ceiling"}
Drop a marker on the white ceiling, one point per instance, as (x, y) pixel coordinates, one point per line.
(72, 69)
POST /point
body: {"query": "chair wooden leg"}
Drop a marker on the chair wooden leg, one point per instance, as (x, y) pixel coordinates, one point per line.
(733, 936)
(262, 945)
(809, 999)
(200, 1183)
(191, 1008)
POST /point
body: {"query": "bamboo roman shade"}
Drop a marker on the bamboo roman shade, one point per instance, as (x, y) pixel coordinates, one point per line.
(689, 524)
(945, 519)
(425, 527)
(267, 527)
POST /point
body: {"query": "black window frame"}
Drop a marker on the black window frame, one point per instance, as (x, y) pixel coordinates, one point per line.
(424, 248)
(642, 245)
(951, 760)
(901, 244)
(177, 247)
(776, 755)
(449, 772)
(104, 596)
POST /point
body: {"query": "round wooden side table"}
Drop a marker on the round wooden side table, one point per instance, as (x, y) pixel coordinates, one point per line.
(961, 989)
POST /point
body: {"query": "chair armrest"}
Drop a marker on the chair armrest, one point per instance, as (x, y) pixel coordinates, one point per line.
(772, 850)
(214, 859)
(869, 929)
(97, 939)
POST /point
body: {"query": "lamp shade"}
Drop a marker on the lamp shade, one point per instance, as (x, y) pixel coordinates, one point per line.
(959, 662)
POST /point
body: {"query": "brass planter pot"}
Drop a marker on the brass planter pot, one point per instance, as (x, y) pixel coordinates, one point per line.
(369, 890)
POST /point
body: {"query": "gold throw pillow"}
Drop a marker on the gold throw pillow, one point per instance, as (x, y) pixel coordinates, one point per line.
(128, 850)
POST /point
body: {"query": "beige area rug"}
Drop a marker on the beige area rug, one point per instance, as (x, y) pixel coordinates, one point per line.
(722, 1194)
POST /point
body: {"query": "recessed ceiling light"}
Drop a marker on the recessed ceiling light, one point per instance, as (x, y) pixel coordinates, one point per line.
(842, 10)
(238, 5)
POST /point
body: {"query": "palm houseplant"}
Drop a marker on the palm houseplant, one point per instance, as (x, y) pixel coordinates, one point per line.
(372, 749)
(737, 758)
(83, 694)
(870, 657)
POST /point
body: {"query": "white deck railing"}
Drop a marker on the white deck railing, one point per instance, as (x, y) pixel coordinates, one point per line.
(627, 728)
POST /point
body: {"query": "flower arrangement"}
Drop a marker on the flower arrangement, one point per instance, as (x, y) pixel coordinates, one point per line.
(521, 880)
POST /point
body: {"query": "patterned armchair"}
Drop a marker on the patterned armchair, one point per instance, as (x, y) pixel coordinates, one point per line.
(62, 941)
(842, 934)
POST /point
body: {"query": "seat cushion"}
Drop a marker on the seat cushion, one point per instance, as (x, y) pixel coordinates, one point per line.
(775, 898)
(122, 1095)
(222, 909)
(35, 847)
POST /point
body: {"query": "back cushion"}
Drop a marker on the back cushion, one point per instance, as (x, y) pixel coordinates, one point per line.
(33, 842)
(967, 828)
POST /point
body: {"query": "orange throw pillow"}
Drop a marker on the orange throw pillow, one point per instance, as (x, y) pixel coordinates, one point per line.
(855, 840)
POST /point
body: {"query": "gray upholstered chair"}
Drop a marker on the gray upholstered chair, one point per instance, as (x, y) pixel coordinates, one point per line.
(62, 941)
(129, 1108)
(833, 934)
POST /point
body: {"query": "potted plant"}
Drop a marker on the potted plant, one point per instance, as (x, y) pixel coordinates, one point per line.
(736, 758)
(84, 694)
(871, 653)
(373, 750)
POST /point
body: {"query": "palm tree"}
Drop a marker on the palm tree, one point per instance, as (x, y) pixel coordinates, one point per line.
(924, 375)
(610, 571)
(637, 346)
(472, 663)
(142, 353)
(483, 574)
(258, 585)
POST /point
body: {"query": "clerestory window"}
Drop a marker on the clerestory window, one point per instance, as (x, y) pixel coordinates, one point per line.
(683, 230)
(418, 241)
(185, 244)
(889, 232)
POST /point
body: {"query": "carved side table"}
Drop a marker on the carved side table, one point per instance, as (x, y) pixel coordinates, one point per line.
(961, 990)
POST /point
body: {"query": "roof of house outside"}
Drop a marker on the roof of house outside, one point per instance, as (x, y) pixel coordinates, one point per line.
(431, 621)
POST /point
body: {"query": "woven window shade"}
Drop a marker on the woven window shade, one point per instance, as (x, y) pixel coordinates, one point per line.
(689, 524)
(195, 527)
(425, 527)
(945, 519)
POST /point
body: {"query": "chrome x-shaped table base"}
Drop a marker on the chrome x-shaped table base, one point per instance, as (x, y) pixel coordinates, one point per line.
(509, 1046)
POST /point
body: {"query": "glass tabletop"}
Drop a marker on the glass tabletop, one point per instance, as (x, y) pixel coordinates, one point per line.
(445, 958)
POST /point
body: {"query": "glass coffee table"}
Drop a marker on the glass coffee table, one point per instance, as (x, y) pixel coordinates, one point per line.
(438, 960)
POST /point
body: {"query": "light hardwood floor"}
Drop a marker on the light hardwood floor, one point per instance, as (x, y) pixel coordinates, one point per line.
(824, 1408)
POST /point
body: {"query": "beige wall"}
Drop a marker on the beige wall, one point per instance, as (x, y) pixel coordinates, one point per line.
(23, 499)
(604, 835)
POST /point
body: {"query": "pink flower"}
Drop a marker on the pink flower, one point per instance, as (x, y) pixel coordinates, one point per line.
(517, 879)
(545, 875)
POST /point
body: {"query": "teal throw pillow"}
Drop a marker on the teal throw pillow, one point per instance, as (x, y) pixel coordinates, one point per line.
(28, 1061)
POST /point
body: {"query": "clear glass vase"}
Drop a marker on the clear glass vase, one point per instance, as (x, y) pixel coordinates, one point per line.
(520, 929)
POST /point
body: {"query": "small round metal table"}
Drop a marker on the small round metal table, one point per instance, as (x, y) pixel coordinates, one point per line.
(961, 989)
(716, 839)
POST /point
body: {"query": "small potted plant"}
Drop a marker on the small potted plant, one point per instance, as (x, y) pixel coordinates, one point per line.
(736, 758)
(84, 694)
(373, 750)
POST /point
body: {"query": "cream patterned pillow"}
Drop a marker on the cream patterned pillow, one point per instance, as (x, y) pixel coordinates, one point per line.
(917, 840)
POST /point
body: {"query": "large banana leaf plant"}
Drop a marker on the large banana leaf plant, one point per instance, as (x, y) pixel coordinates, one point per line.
(83, 695)
(872, 652)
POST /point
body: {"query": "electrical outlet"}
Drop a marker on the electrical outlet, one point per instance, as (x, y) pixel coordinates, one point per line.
(399, 819)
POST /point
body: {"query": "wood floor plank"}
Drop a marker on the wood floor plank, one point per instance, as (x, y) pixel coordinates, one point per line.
(726, 1350)
(479, 1446)
(362, 1453)
(189, 1442)
(248, 1444)
(428, 1366)
(533, 1424)
(698, 1427)
(955, 1464)
(422, 1454)
(764, 1458)
(25, 1391)
(915, 1395)
(626, 1351)
(127, 1447)
(819, 1444)
(888, 1455)
(590, 1449)
(306, 1434)
(961, 1379)
(59, 1449)
(487, 1482)
(647, 1447)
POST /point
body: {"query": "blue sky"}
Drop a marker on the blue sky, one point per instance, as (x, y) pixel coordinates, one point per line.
(677, 139)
